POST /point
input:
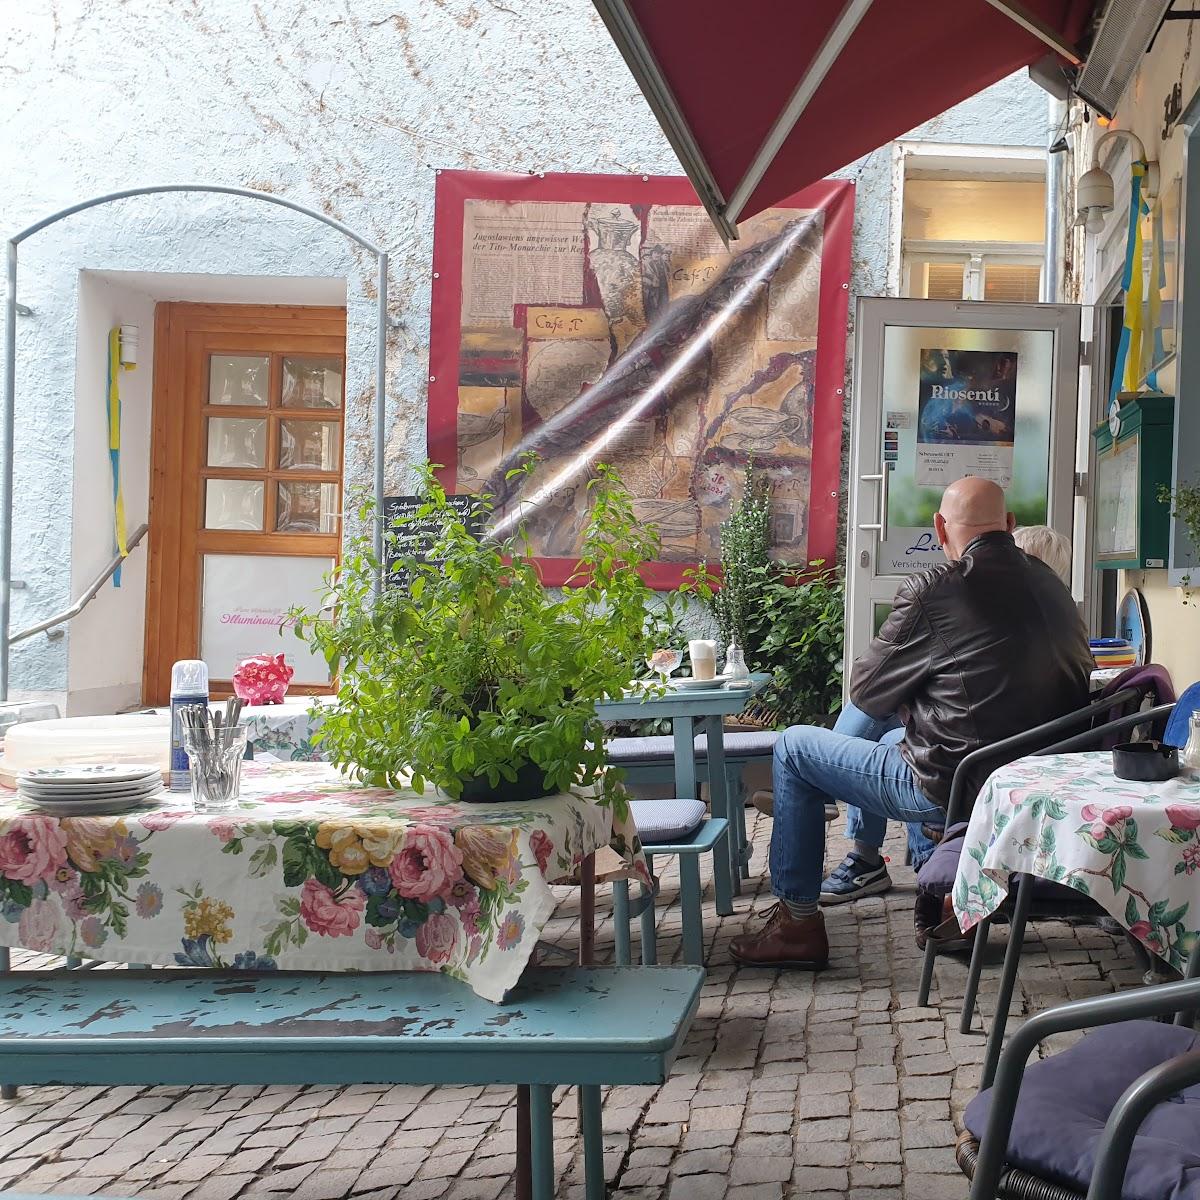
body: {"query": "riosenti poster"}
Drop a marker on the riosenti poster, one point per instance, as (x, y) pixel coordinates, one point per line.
(966, 416)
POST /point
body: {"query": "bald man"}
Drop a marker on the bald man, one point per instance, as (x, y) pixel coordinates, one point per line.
(984, 646)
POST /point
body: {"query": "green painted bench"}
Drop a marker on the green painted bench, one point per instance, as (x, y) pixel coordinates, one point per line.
(651, 760)
(576, 1026)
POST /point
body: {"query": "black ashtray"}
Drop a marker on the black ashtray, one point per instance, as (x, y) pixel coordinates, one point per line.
(1146, 762)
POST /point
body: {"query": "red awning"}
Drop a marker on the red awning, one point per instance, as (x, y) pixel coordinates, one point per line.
(725, 79)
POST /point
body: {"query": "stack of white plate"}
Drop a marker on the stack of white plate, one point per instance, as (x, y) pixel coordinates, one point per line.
(90, 789)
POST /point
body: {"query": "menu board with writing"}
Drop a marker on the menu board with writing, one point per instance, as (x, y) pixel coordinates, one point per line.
(416, 538)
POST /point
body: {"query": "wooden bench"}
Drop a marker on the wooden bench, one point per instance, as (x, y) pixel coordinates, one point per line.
(709, 838)
(577, 1026)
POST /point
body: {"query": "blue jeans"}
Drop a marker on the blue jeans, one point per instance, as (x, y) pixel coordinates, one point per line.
(814, 766)
(867, 827)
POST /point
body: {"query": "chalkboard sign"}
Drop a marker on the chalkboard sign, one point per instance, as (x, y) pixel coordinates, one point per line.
(416, 540)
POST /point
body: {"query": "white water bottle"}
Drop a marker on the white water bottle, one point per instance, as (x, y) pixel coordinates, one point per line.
(189, 689)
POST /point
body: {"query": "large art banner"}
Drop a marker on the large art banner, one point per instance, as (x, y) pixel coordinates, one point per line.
(600, 318)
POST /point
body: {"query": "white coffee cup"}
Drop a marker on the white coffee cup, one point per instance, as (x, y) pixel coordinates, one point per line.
(703, 654)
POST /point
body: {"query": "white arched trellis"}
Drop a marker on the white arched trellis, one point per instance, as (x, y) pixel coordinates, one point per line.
(8, 420)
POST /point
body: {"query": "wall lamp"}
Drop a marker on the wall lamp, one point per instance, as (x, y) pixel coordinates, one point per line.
(1094, 193)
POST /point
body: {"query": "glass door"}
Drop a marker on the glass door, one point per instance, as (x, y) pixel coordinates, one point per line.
(942, 390)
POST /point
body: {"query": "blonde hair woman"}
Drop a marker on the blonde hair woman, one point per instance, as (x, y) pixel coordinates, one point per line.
(1040, 541)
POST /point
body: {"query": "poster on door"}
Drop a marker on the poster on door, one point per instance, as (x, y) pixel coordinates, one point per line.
(966, 416)
(245, 602)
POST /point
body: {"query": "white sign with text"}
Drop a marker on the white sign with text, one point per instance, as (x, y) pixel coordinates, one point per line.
(245, 600)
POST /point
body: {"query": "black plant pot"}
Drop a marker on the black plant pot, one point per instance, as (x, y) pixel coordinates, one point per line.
(530, 784)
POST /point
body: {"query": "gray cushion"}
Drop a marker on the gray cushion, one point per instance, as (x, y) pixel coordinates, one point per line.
(755, 744)
(750, 744)
(660, 821)
(640, 749)
(1066, 1099)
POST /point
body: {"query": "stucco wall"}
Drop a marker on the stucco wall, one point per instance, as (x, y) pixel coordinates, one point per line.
(347, 108)
(1176, 625)
(105, 650)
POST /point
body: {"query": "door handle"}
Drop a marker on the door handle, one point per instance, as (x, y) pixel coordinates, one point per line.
(881, 526)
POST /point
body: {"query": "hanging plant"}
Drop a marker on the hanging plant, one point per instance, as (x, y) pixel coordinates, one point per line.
(1185, 508)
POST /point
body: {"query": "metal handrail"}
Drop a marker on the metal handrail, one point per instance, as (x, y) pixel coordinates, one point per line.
(88, 596)
(9, 375)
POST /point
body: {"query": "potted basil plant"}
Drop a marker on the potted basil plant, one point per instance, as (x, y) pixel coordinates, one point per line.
(466, 672)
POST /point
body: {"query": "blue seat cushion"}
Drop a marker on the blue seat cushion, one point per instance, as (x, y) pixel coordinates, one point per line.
(1065, 1101)
(940, 868)
(751, 744)
(666, 820)
(1177, 726)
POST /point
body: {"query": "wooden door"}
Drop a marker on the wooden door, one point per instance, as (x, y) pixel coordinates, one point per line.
(246, 483)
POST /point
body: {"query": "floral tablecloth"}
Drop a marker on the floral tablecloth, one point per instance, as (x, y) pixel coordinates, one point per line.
(1132, 847)
(284, 731)
(312, 873)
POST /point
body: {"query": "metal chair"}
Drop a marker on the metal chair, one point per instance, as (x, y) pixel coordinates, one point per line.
(967, 779)
(1052, 906)
(1036, 1134)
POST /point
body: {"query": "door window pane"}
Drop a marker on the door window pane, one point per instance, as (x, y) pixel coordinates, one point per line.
(306, 508)
(245, 600)
(312, 382)
(236, 442)
(233, 504)
(239, 379)
(310, 445)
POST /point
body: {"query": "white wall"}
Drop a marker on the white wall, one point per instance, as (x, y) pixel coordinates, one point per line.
(347, 108)
(1175, 625)
(104, 660)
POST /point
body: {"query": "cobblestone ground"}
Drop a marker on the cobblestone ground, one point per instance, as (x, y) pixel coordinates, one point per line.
(789, 1086)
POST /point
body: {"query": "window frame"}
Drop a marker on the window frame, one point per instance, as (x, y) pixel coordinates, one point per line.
(953, 162)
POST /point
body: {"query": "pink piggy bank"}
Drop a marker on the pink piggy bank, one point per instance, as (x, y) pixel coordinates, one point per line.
(262, 679)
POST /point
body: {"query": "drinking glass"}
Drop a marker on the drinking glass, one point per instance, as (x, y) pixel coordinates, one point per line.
(216, 769)
(663, 662)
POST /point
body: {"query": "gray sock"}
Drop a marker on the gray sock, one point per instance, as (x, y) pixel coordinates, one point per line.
(801, 909)
(869, 854)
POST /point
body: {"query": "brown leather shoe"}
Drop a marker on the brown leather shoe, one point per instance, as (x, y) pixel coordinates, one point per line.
(784, 941)
(949, 938)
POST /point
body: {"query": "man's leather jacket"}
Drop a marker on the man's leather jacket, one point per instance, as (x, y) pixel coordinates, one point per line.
(974, 651)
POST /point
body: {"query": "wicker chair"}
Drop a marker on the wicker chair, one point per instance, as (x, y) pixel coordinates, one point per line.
(1091, 1121)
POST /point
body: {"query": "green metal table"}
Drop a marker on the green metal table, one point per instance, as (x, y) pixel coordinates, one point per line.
(709, 707)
